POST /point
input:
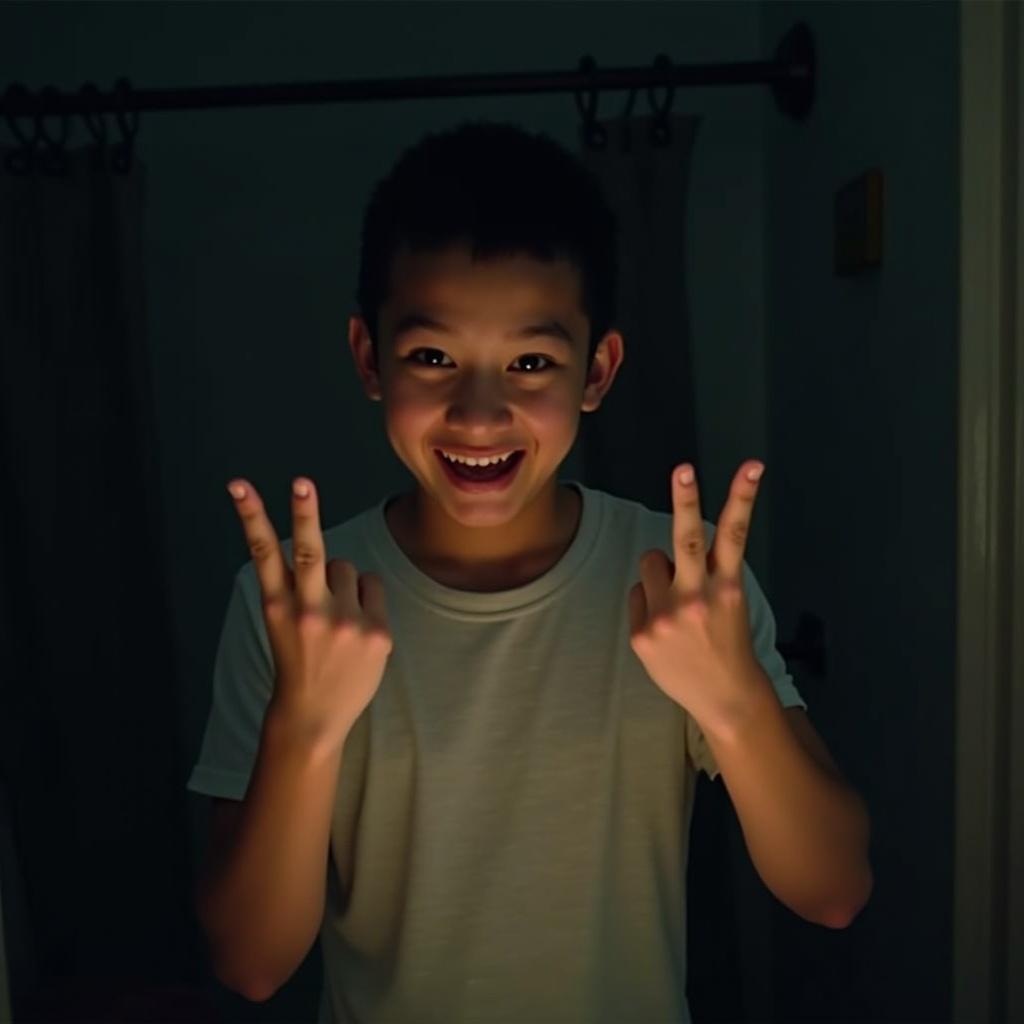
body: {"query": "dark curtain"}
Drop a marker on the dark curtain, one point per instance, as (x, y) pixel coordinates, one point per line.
(96, 875)
(644, 427)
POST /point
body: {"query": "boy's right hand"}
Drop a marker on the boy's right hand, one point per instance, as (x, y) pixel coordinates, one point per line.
(327, 625)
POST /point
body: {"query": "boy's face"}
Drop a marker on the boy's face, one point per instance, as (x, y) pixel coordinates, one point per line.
(478, 384)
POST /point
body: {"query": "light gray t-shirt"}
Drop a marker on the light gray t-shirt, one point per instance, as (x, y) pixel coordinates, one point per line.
(511, 826)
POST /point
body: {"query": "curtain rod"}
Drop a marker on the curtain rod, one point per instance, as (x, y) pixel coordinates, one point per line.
(791, 76)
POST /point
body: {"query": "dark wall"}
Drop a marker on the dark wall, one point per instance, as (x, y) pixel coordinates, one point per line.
(862, 393)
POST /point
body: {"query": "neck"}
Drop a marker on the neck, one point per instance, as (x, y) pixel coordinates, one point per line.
(486, 557)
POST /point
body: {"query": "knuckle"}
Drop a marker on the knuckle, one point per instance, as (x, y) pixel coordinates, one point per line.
(275, 606)
(336, 576)
(653, 560)
(693, 540)
(737, 531)
(696, 610)
(347, 629)
(310, 620)
(305, 554)
(380, 638)
(662, 624)
(261, 547)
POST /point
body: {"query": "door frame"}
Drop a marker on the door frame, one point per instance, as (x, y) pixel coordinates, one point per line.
(988, 896)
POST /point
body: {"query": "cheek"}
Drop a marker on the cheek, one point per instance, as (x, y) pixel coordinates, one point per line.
(407, 406)
(549, 412)
(407, 421)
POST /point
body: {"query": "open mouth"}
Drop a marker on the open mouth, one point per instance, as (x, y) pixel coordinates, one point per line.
(481, 478)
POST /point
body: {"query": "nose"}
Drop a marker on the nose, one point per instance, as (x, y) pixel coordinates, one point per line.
(479, 401)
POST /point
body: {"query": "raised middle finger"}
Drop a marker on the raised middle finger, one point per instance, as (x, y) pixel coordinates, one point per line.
(734, 523)
(308, 556)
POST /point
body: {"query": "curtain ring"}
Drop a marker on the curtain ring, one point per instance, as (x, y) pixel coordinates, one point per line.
(627, 125)
(124, 150)
(95, 121)
(91, 115)
(20, 161)
(594, 134)
(661, 132)
(53, 159)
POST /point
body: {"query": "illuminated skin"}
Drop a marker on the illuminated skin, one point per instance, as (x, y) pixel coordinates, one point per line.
(478, 386)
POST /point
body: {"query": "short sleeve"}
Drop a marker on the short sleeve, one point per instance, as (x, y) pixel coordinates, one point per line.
(242, 687)
(762, 632)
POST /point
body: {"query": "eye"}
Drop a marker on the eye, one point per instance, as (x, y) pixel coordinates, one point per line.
(537, 355)
(411, 358)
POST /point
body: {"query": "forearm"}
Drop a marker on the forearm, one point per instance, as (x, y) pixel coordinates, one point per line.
(262, 907)
(806, 830)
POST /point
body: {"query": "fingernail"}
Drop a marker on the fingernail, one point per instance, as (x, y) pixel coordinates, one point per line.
(686, 476)
(236, 491)
(301, 488)
(755, 473)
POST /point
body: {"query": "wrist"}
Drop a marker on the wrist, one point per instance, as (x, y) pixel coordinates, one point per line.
(751, 699)
(286, 728)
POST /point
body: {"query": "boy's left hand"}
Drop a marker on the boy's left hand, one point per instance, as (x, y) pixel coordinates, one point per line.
(688, 619)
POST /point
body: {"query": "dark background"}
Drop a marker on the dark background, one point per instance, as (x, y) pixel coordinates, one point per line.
(846, 387)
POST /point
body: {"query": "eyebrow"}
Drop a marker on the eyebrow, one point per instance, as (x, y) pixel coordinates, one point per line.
(548, 328)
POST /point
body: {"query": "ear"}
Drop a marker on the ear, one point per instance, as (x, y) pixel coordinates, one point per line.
(601, 373)
(366, 364)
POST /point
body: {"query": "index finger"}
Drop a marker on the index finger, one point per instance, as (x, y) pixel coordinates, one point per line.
(262, 540)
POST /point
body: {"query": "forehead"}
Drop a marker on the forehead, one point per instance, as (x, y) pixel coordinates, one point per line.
(517, 285)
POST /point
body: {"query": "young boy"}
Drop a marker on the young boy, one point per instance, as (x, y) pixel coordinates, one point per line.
(478, 793)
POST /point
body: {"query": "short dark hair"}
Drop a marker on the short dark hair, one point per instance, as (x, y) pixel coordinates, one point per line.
(505, 192)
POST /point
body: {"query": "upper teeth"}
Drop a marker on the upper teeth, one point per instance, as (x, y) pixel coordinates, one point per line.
(493, 460)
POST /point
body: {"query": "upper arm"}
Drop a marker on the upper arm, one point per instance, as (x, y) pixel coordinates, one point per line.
(810, 740)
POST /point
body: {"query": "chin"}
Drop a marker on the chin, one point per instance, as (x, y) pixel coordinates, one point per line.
(495, 513)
